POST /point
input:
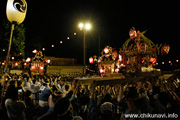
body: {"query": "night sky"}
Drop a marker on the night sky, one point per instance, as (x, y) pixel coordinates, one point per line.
(49, 22)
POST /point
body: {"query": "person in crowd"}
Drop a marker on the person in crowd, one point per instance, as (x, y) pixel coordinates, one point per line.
(131, 97)
(28, 83)
(107, 109)
(61, 84)
(62, 109)
(67, 87)
(43, 97)
(39, 82)
(30, 107)
(77, 102)
(20, 85)
(77, 118)
(56, 94)
(15, 108)
(35, 91)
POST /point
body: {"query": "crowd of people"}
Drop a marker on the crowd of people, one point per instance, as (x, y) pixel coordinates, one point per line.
(56, 98)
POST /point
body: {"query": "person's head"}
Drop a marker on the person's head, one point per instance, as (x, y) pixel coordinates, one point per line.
(77, 118)
(131, 96)
(66, 87)
(54, 88)
(62, 82)
(27, 94)
(156, 90)
(12, 82)
(107, 111)
(19, 84)
(45, 83)
(107, 98)
(58, 81)
(84, 100)
(56, 96)
(164, 98)
(12, 92)
(63, 107)
(34, 81)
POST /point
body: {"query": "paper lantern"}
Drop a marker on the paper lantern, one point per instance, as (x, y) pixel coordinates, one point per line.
(106, 50)
(16, 10)
(28, 59)
(132, 33)
(91, 60)
(16, 64)
(48, 61)
(165, 49)
(101, 71)
(34, 51)
(152, 60)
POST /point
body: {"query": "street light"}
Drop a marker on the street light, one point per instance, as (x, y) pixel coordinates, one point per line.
(84, 28)
(16, 12)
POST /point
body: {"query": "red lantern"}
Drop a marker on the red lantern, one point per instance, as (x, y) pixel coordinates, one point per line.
(16, 64)
(34, 51)
(153, 60)
(47, 60)
(165, 49)
(28, 59)
(106, 50)
(101, 71)
(132, 33)
(91, 60)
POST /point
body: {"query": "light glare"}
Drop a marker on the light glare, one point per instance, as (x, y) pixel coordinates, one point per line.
(81, 25)
(88, 26)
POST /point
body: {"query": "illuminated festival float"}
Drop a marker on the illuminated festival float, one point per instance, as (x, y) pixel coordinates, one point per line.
(110, 62)
(135, 62)
(38, 66)
(138, 55)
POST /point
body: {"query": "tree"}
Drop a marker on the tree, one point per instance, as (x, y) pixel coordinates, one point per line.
(18, 40)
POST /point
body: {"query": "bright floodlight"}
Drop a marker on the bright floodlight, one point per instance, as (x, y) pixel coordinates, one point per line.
(88, 26)
(81, 25)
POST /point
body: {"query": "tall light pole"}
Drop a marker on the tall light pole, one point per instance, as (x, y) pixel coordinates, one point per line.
(16, 12)
(84, 28)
